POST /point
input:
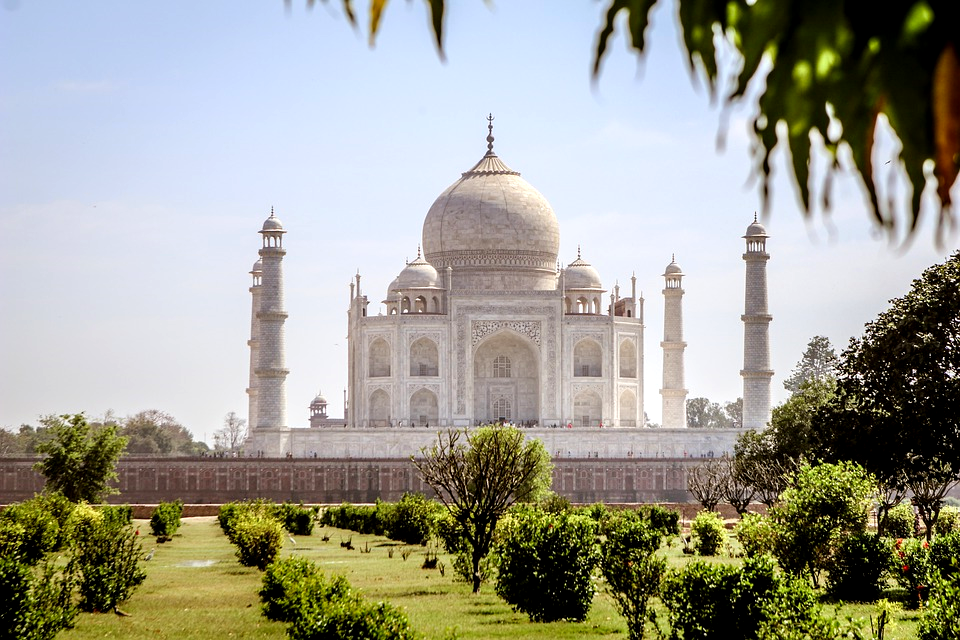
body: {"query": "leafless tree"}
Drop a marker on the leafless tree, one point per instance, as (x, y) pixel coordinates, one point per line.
(736, 490)
(706, 482)
(230, 437)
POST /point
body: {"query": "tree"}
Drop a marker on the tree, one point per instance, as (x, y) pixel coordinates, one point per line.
(478, 474)
(703, 414)
(734, 411)
(827, 71)
(155, 431)
(757, 465)
(794, 424)
(823, 502)
(819, 363)
(230, 437)
(897, 410)
(707, 482)
(80, 460)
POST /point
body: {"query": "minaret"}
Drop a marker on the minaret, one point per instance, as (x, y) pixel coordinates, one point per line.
(254, 343)
(271, 368)
(673, 392)
(756, 370)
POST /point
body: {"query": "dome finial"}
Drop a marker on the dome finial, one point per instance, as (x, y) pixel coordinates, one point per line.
(578, 252)
(754, 216)
(271, 211)
(673, 257)
(490, 133)
(418, 252)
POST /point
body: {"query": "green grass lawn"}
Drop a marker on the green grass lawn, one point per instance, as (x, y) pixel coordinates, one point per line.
(195, 588)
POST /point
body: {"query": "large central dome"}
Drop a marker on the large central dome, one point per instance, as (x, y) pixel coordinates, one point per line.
(494, 230)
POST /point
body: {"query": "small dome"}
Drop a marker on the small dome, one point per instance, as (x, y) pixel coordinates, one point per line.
(417, 275)
(318, 400)
(756, 229)
(257, 267)
(579, 274)
(673, 269)
(272, 223)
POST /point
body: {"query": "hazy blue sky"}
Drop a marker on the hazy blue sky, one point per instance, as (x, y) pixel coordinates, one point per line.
(143, 144)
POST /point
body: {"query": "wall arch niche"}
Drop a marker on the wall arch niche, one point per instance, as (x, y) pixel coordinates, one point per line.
(628, 409)
(587, 409)
(379, 409)
(424, 409)
(424, 358)
(379, 359)
(506, 379)
(587, 359)
(628, 359)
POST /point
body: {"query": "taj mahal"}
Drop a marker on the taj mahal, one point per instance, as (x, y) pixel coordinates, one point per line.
(486, 325)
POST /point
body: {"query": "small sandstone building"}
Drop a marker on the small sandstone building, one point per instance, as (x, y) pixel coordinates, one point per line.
(486, 325)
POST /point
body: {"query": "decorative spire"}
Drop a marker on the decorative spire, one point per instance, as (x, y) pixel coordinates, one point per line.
(673, 257)
(578, 252)
(490, 133)
(418, 252)
(271, 211)
(754, 217)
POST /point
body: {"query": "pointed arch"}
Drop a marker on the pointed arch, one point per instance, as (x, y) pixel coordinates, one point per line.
(379, 359)
(587, 359)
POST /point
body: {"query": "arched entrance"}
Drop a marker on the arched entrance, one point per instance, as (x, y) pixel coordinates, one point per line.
(506, 379)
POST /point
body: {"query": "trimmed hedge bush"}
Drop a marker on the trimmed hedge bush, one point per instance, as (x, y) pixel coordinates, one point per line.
(359, 518)
(107, 560)
(546, 562)
(165, 520)
(33, 526)
(631, 569)
(37, 603)
(948, 521)
(413, 520)
(258, 538)
(295, 591)
(297, 519)
(708, 528)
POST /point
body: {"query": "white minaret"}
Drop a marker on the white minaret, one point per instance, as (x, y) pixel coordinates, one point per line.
(756, 370)
(271, 369)
(254, 344)
(673, 392)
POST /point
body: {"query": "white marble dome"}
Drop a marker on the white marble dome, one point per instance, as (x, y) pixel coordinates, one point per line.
(418, 274)
(756, 230)
(494, 230)
(580, 274)
(272, 223)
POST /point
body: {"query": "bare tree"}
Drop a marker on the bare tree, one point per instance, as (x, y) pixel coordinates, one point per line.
(478, 474)
(737, 491)
(706, 482)
(230, 437)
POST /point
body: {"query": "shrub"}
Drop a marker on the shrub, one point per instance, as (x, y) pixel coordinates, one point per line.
(297, 519)
(120, 515)
(107, 559)
(756, 535)
(455, 542)
(352, 618)
(945, 553)
(36, 604)
(229, 514)
(662, 519)
(293, 585)
(359, 518)
(858, 568)
(912, 569)
(555, 503)
(11, 538)
(258, 539)
(632, 570)
(713, 601)
(941, 619)
(708, 527)
(413, 519)
(40, 530)
(948, 521)
(545, 564)
(898, 522)
(824, 501)
(165, 520)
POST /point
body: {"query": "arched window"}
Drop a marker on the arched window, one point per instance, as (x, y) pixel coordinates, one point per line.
(501, 409)
(501, 367)
(420, 304)
(424, 358)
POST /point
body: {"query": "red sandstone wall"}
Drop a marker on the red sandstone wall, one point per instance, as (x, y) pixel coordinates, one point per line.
(315, 480)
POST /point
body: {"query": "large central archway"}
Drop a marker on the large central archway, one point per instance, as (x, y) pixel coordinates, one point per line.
(506, 379)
